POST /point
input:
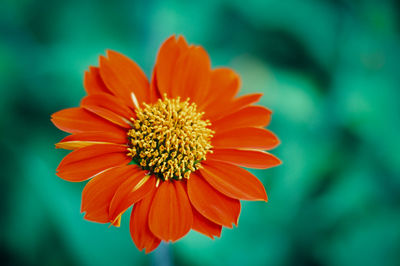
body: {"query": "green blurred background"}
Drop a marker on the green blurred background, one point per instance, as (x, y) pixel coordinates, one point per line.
(328, 69)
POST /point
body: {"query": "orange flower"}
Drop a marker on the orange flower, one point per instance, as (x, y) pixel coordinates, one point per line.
(173, 148)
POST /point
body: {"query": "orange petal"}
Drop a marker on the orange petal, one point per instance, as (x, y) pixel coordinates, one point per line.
(80, 140)
(245, 100)
(182, 43)
(139, 225)
(191, 75)
(224, 85)
(170, 216)
(247, 138)
(167, 57)
(93, 83)
(212, 204)
(136, 187)
(99, 191)
(117, 222)
(245, 158)
(250, 116)
(233, 181)
(86, 162)
(110, 116)
(222, 110)
(202, 225)
(77, 120)
(109, 102)
(124, 78)
(154, 91)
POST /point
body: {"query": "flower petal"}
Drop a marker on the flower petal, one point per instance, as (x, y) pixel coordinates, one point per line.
(202, 225)
(132, 190)
(124, 78)
(245, 100)
(139, 225)
(110, 116)
(225, 109)
(246, 138)
(86, 162)
(245, 158)
(93, 83)
(233, 181)
(167, 57)
(99, 191)
(224, 85)
(250, 116)
(109, 102)
(212, 204)
(77, 120)
(154, 91)
(170, 216)
(80, 140)
(191, 76)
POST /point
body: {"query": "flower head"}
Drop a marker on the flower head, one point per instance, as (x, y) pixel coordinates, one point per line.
(173, 148)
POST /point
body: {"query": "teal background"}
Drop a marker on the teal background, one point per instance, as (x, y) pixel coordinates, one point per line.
(329, 70)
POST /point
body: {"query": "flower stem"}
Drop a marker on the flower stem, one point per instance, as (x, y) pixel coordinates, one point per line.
(162, 256)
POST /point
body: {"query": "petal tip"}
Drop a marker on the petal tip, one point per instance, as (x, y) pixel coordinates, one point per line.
(181, 38)
(110, 53)
(102, 61)
(265, 197)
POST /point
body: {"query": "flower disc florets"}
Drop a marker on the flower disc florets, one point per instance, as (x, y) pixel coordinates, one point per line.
(169, 138)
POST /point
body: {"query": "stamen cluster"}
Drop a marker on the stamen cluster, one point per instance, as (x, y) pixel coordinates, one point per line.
(169, 138)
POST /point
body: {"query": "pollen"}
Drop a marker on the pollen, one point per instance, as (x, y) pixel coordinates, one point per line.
(169, 138)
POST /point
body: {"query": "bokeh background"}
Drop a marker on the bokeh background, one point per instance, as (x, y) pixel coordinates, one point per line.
(328, 69)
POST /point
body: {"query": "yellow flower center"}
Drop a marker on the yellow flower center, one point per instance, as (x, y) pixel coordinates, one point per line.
(169, 138)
